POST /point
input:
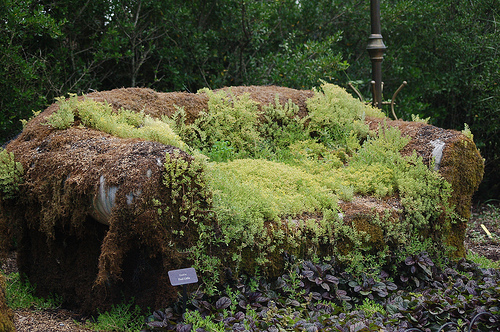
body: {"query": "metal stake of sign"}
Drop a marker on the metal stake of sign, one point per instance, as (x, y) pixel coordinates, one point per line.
(376, 49)
(183, 277)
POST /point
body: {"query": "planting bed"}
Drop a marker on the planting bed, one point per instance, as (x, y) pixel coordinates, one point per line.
(60, 320)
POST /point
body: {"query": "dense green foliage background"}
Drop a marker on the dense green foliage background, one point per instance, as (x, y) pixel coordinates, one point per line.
(448, 51)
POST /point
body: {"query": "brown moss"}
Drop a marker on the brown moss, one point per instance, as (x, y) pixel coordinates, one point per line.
(153, 103)
(159, 104)
(62, 246)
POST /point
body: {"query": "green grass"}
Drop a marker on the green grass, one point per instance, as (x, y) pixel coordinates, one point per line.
(20, 295)
(123, 317)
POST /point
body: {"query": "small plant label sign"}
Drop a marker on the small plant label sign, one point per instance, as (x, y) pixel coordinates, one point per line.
(183, 276)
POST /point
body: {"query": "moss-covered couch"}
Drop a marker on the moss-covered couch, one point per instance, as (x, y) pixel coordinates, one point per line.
(107, 192)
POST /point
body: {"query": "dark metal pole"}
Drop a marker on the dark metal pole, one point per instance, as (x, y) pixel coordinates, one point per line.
(376, 49)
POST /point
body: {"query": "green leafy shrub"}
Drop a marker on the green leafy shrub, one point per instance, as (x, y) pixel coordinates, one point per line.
(64, 117)
(370, 307)
(338, 117)
(281, 125)
(221, 151)
(229, 118)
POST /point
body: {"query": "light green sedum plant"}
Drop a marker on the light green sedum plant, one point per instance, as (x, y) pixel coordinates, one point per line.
(274, 171)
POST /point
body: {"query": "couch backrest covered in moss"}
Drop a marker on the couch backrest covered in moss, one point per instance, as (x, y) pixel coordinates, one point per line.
(103, 194)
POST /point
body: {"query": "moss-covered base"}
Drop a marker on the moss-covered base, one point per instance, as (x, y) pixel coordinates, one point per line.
(6, 315)
(68, 266)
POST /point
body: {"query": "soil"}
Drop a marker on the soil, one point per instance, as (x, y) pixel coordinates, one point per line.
(477, 239)
(61, 320)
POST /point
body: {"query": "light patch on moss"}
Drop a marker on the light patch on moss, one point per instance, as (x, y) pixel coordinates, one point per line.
(123, 123)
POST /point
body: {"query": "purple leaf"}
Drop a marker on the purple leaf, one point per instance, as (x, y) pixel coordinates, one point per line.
(183, 328)
(156, 324)
(410, 260)
(317, 296)
(332, 279)
(223, 303)
(159, 315)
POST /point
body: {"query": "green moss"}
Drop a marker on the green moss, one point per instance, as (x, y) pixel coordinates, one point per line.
(6, 315)
(463, 168)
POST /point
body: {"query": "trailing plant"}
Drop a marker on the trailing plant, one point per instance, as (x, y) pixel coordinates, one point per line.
(188, 214)
(11, 174)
